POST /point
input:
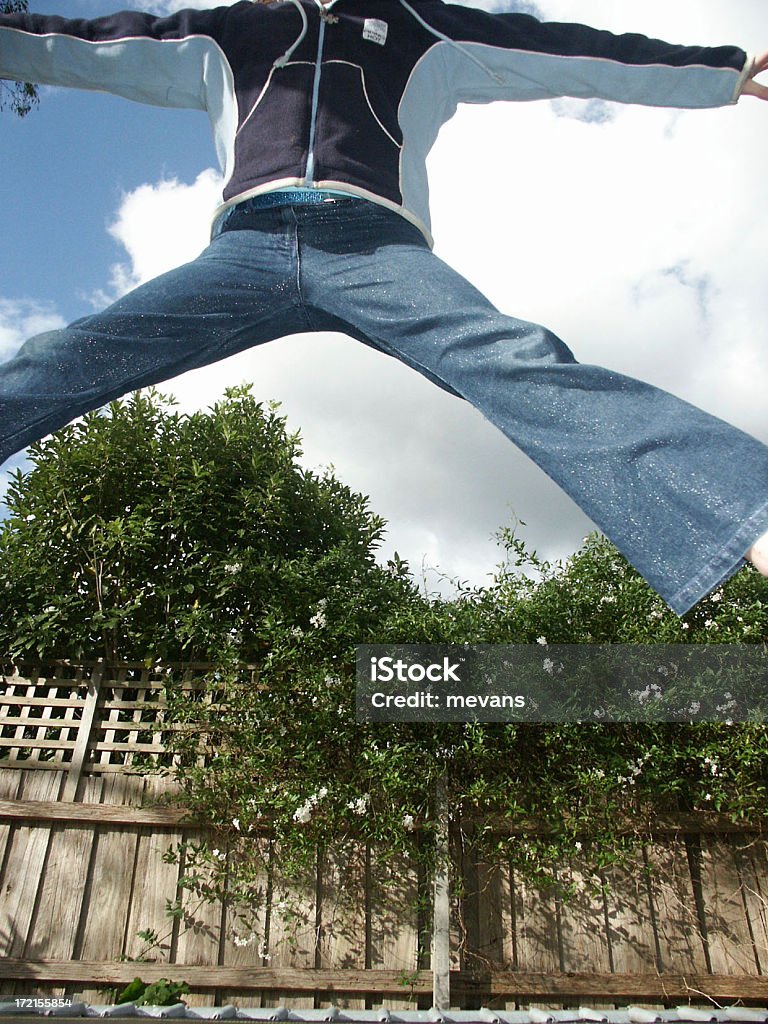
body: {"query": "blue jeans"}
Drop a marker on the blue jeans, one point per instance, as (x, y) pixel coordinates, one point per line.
(682, 494)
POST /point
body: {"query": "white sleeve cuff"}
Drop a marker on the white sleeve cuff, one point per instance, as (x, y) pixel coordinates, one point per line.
(749, 65)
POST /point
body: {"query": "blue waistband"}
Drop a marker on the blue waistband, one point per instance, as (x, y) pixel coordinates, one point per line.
(292, 197)
(281, 197)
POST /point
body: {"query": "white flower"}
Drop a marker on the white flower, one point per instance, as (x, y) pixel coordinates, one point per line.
(303, 814)
(236, 823)
(652, 690)
(685, 625)
(707, 796)
(717, 596)
(548, 665)
(541, 640)
(30, 518)
(233, 567)
(359, 806)
(709, 623)
(319, 619)
(408, 822)
(577, 844)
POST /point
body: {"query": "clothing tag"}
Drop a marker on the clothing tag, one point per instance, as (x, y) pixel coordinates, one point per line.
(375, 30)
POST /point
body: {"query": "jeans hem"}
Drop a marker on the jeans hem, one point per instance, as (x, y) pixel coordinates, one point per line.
(729, 559)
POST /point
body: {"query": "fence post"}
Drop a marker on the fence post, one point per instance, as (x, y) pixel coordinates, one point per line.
(441, 921)
(84, 733)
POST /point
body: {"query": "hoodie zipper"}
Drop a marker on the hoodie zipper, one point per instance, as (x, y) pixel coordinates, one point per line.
(310, 169)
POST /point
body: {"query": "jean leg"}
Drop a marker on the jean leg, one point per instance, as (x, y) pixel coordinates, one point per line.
(681, 493)
(239, 292)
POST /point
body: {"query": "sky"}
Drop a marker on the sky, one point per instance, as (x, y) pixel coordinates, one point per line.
(636, 234)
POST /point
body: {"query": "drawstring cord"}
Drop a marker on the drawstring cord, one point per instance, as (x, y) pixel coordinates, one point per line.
(282, 61)
(452, 42)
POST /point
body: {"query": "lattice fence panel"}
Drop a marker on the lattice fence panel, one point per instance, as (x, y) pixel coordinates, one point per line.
(91, 718)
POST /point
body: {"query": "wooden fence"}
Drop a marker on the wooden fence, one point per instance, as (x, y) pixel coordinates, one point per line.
(82, 837)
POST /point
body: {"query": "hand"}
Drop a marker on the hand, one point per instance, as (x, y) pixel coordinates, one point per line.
(753, 88)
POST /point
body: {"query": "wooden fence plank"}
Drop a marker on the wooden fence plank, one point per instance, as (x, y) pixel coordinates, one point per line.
(680, 942)
(112, 877)
(224, 979)
(753, 861)
(555, 987)
(34, 746)
(582, 921)
(8, 701)
(394, 927)
(488, 920)
(154, 885)
(10, 783)
(343, 915)
(492, 944)
(464, 915)
(730, 947)
(245, 939)
(194, 940)
(54, 930)
(88, 796)
(25, 860)
(631, 924)
(80, 750)
(200, 932)
(537, 938)
(293, 939)
(10, 780)
(96, 814)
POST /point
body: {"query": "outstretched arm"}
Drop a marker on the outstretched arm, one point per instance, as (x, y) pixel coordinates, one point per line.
(161, 61)
(527, 59)
(753, 88)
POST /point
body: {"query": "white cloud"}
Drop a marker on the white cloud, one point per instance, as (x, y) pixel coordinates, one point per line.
(21, 319)
(161, 226)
